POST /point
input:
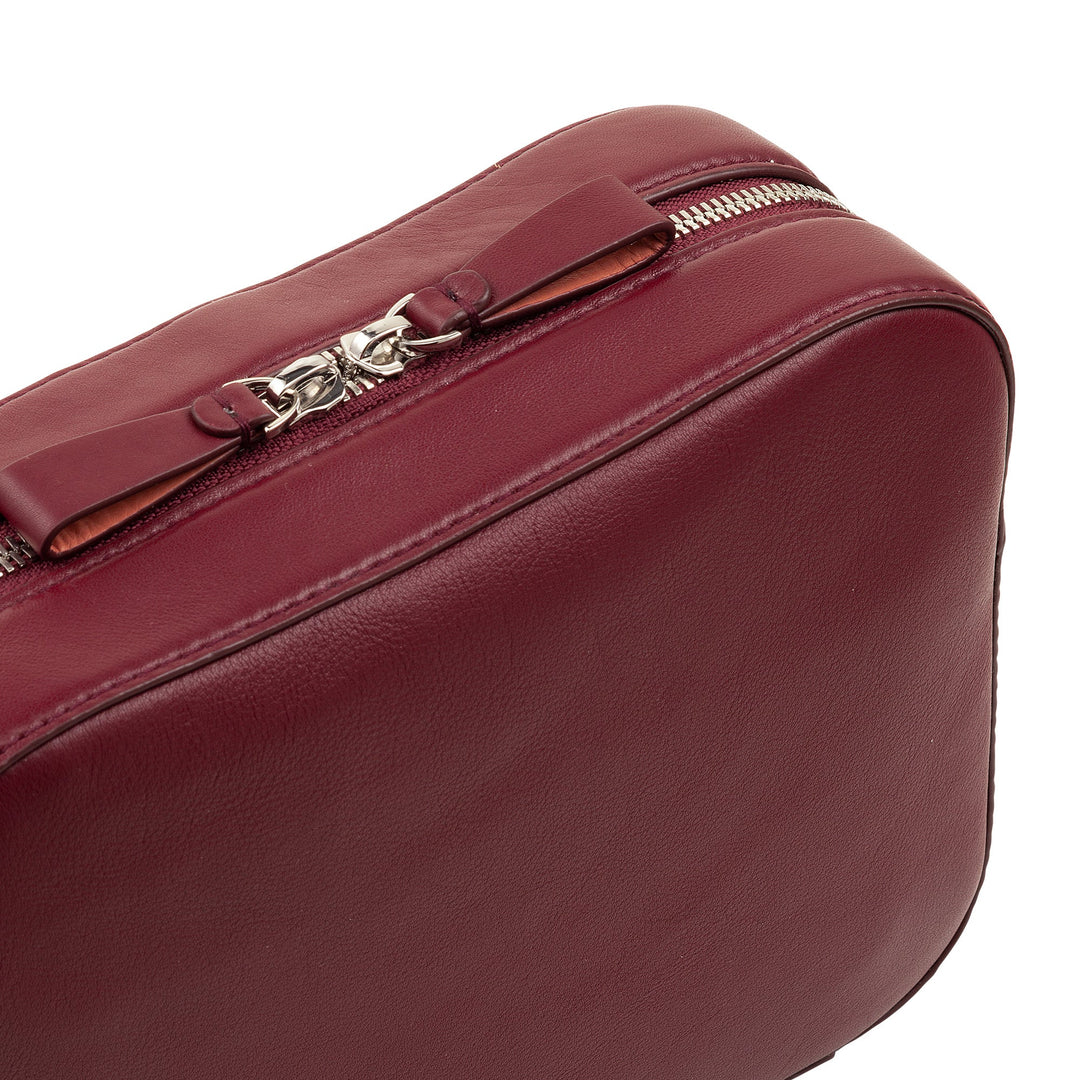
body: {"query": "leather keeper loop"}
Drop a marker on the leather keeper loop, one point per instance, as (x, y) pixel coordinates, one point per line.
(233, 411)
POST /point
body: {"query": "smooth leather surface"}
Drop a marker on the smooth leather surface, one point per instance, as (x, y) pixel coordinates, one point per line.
(589, 237)
(679, 769)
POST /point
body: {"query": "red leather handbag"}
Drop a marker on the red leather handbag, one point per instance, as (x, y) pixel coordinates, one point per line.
(550, 636)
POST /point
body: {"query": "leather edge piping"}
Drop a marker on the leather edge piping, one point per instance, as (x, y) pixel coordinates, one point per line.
(1010, 390)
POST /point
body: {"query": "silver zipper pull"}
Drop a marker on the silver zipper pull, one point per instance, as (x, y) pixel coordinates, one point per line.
(305, 387)
(362, 360)
(382, 349)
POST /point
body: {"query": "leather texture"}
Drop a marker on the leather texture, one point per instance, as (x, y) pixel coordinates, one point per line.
(590, 237)
(615, 702)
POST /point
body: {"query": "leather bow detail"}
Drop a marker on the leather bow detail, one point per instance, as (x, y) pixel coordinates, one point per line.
(592, 236)
(71, 494)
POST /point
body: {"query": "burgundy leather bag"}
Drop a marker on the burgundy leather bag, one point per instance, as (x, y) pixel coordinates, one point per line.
(552, 636)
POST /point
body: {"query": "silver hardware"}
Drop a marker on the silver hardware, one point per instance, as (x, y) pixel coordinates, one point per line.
(309, 385)
(736, 203)
(379, 347)
(426, 344)
(15, 553)
(361, 361)
(382, 349)
(356, 381)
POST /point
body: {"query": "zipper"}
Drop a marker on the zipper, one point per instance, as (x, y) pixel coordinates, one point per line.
(726, 207)
(378, 353)
(15, 554)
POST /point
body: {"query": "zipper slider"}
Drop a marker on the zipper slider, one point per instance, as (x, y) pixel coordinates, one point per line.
(362, 360)
(310, 385)
(384, 347)
(69, 495)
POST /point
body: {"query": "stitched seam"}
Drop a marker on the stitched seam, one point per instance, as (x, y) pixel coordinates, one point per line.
(245, 430)
(327, 587)
(349, 247)
(470, 310)
(392, 408)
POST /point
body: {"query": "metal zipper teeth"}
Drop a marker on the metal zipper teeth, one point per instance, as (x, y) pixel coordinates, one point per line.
(16, 553)
(736, 203)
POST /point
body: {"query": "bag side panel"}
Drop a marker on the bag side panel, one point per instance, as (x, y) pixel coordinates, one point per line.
(680, 770)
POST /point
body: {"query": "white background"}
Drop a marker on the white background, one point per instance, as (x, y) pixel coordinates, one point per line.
(157, 155)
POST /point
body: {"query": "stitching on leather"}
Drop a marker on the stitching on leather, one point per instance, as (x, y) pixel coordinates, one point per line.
(470, 310)
(327, 587)
(246, 433)
(352, 246)
(393, 407)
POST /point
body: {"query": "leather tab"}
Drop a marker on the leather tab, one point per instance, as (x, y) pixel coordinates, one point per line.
(592, 236)
(68, 495)
(232, 409)
(464, 292)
